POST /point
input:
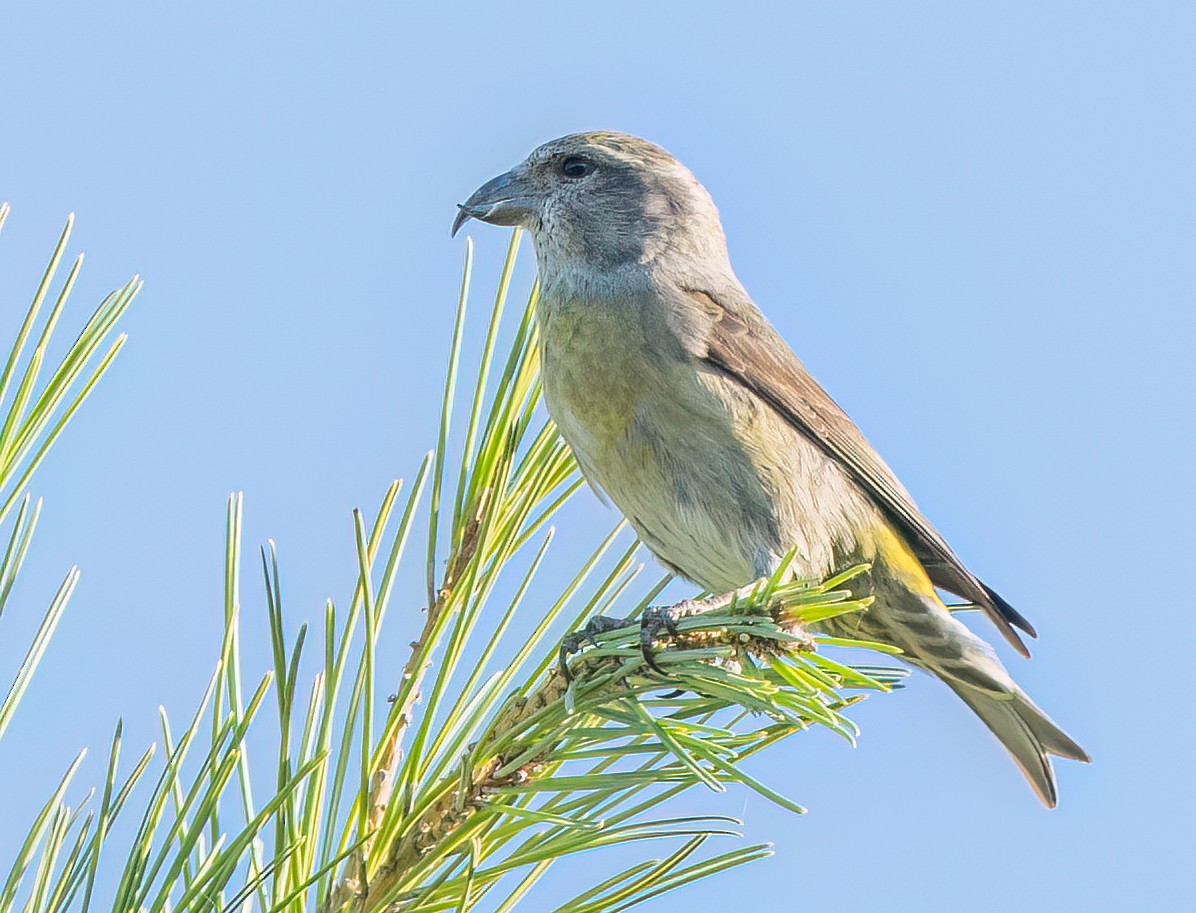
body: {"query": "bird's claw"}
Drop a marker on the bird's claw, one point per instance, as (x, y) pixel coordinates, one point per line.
(655, 620)
(572, 643)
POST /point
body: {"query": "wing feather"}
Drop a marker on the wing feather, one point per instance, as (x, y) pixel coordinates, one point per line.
(741, 343)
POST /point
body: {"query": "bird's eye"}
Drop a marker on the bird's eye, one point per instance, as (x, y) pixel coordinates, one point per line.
(575, 167)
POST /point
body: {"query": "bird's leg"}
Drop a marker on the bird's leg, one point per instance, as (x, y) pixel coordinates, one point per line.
(663, 619)
(572, 643)
(655, 621)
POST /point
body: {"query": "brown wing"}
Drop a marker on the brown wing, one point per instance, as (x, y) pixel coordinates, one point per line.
(744, 345)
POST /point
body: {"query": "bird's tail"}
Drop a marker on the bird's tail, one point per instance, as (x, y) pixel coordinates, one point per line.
(932, 638)
(1026, 732)
(909, 614)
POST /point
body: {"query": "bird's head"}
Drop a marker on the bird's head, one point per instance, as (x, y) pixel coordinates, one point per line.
(602, 200)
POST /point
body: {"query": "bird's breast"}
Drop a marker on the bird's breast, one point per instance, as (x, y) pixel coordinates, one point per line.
(598, 367)
(650, 429)
(715, 481)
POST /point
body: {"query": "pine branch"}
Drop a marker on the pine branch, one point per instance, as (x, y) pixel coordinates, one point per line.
(490, 763)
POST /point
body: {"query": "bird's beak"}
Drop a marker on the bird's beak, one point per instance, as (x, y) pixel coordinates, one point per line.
(502, 201)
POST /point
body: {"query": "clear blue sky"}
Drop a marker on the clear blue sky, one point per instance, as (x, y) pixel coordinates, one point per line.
(974, 222)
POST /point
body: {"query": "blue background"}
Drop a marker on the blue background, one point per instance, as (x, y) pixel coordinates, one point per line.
(974, 222)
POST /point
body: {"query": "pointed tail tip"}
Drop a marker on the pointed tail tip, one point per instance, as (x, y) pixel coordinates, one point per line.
(1027, 733)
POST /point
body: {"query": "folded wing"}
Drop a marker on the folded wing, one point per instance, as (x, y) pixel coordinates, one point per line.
(742, 344)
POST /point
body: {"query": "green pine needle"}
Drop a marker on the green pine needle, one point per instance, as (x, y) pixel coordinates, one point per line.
(486, 765)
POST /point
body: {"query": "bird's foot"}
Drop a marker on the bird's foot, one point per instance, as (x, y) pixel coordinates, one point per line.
(656, 621)
(572, 643)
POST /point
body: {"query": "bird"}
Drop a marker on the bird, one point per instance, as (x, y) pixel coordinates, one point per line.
(685, 408)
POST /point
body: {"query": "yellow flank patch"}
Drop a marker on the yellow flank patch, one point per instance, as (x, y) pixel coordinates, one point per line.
(896, 555)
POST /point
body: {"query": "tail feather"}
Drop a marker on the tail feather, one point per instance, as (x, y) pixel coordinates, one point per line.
(1026, 732)
(909, 614)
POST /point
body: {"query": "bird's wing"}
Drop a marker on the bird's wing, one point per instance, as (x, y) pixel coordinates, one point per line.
(744, 345)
